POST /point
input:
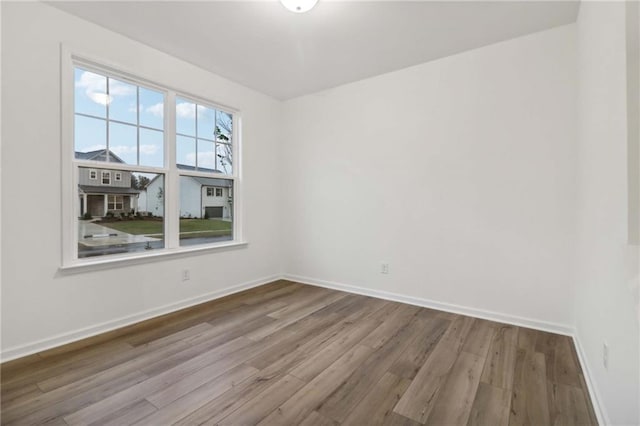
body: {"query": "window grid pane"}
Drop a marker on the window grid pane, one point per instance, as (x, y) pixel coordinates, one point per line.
(203, 138)
(206, 210)
(151, 111)
(90, 93)
(124, 216)
(117, 103)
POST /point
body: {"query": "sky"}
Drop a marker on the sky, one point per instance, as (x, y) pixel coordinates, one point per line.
(126, 104)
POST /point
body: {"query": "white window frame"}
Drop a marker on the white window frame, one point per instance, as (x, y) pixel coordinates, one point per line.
(72, 58)
(221, 192)
(94, 173)
(117, 176)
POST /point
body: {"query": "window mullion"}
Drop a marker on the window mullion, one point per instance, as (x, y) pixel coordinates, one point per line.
(108, 155)
(196, 132)
(172, 184)
(215, 140)
(138, 125)
(238, 208)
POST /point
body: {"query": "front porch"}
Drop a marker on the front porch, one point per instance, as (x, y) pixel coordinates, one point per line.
(103, 204)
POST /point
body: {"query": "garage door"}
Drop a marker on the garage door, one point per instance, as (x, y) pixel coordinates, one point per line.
(213, 211)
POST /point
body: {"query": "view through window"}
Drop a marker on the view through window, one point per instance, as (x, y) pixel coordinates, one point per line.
(119, 154)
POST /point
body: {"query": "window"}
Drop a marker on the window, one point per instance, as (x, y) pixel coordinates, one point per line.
(214, 192)
(124, 219)
(116, 202)
(203, 138)
(117, 128)
(204, 151)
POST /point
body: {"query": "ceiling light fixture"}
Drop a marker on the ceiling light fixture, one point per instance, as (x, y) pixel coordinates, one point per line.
(299, 6)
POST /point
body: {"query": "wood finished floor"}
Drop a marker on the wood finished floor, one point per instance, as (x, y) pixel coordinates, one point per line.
(287, 353)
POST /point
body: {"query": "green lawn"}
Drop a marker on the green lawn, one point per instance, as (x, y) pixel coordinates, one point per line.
(189, 228)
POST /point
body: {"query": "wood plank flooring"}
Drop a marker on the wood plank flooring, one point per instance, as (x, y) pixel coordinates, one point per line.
(292, 354)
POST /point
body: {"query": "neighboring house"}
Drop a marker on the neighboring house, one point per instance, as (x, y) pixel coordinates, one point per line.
(152, 197)
(205, 196)
(105, 190)
(199, 197)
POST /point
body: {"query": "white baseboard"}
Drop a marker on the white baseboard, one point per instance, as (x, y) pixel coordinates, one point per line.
(601, 412)
(83, 333)
(441, 306)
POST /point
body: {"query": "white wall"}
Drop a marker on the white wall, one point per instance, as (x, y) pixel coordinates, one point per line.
(632, 12)
(607, 273)
(39, 302)
(460, 173)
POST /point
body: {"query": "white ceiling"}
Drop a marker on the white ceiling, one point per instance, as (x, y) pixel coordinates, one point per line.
(261, 45)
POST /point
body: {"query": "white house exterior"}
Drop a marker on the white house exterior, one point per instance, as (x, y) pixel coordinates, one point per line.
(151, 199)
(199, 197)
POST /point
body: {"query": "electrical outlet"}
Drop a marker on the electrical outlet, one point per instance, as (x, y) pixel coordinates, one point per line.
(384, 268)
(605, 355)
(186, 275)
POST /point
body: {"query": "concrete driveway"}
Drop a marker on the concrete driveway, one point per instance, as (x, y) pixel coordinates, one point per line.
(93, 235)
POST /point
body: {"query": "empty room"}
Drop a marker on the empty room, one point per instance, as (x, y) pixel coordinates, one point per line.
(320, 212)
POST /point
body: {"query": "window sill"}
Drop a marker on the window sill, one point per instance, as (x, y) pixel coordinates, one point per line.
(96, 265)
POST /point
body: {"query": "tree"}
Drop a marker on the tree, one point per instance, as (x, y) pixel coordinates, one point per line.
(139, 182)
(143, 181)
(223, 131)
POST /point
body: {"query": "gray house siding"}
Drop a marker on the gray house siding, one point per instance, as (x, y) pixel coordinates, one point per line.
(85, 178)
